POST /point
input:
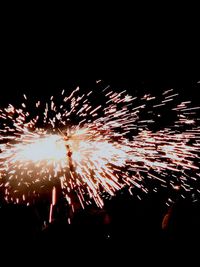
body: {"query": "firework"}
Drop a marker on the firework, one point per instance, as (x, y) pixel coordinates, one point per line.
(96, 148)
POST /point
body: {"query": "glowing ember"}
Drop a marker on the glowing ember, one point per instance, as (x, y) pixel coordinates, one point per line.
(93, 149)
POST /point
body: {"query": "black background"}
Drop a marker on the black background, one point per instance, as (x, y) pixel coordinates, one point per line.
(135, 51)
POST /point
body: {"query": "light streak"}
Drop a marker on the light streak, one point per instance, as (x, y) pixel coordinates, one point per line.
(95, 148)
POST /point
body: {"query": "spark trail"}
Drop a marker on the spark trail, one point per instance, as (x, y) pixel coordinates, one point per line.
(95, 148)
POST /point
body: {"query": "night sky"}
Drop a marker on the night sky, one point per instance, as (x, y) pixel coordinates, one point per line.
(41, 64)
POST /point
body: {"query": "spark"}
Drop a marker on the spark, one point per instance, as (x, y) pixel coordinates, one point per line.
(93, 149)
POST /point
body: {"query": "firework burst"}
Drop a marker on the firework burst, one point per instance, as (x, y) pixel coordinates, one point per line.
(92, 149)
